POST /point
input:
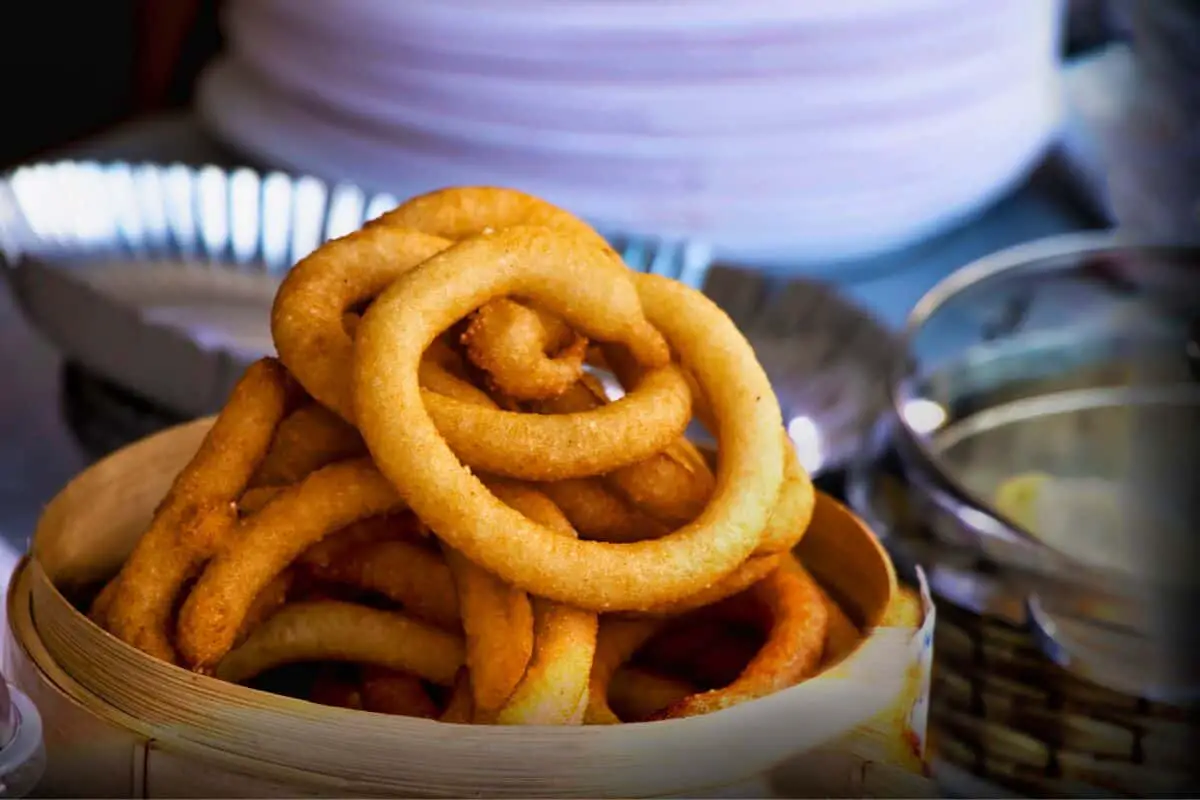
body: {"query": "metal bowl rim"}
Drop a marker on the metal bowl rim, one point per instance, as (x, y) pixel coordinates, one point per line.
(935, 479)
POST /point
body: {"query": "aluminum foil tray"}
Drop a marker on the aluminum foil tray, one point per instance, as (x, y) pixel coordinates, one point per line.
(160, 278)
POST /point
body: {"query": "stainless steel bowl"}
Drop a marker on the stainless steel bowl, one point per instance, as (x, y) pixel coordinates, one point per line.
(1070, 359)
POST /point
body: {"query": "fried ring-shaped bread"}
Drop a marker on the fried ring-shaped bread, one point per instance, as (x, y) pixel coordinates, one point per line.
(616, 642)
(312, 341)
(199, 512)
(673, 485)
(98, 613)
(592, 510)
(462, 212)
(557, 272)
(550, 447)
(406, 573)
(527, 354)
(524, 362)
(600, 515)
(360, 534)
(793, 649)
(253, 500)
(331, 630)
(793, 508)
(905, 610)
(751, 571)
(267, 542)
(306, 317)
(555, 687)
(309, 438)
(497, 619)
(272, 598)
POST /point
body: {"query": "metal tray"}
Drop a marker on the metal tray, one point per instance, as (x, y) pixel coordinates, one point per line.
(160, 278)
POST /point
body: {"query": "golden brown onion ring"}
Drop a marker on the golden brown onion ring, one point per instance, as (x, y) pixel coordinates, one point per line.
(253, 500)
(267, 542)
(522, 365)
(98, 612)
(272, 598)
(362, 533)
(557, 273)
(905, 610)
(793, 508)
(306, 318)
(309, 438)
(312, 341)
(406, 573)
(498, 622)
(199, 512)
(672, 485)
(616, 642)
(540, 447)
(463, 212)
(791, 653)
(527, 355)
(600, 515)
(749, 573)
(330, 630)
(555, 687)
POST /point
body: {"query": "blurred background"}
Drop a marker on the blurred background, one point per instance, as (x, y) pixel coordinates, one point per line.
(816, 168)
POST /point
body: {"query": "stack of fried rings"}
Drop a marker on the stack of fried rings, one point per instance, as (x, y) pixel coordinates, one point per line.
(431, 484)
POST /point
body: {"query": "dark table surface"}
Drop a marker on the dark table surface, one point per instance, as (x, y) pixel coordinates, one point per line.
(38, 452)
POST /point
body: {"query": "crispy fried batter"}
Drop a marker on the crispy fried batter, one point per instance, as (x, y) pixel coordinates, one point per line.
(198, 515)
(330, 630)
(527, 354)
(266, 543)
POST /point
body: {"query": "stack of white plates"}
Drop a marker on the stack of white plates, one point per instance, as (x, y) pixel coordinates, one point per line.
(777, 130)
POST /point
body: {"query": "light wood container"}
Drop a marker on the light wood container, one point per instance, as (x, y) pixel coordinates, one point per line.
(119, 723)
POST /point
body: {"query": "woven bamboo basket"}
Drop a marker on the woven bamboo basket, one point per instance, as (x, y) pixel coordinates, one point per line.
(1003, 711)
(119, 723)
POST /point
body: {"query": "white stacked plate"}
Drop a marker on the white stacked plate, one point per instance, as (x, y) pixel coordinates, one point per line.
(779, 131)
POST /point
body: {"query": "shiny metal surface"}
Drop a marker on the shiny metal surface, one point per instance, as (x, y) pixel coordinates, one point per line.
(1007, 378)
(160, 278)
(828, 360)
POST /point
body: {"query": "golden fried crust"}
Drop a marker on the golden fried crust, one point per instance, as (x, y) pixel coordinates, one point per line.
(408, 447)
(791, 653)
(267, 543)
(527, 355)
(331, 630)
(198, 515)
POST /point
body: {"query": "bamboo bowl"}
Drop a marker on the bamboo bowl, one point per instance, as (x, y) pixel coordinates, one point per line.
(112, 710)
